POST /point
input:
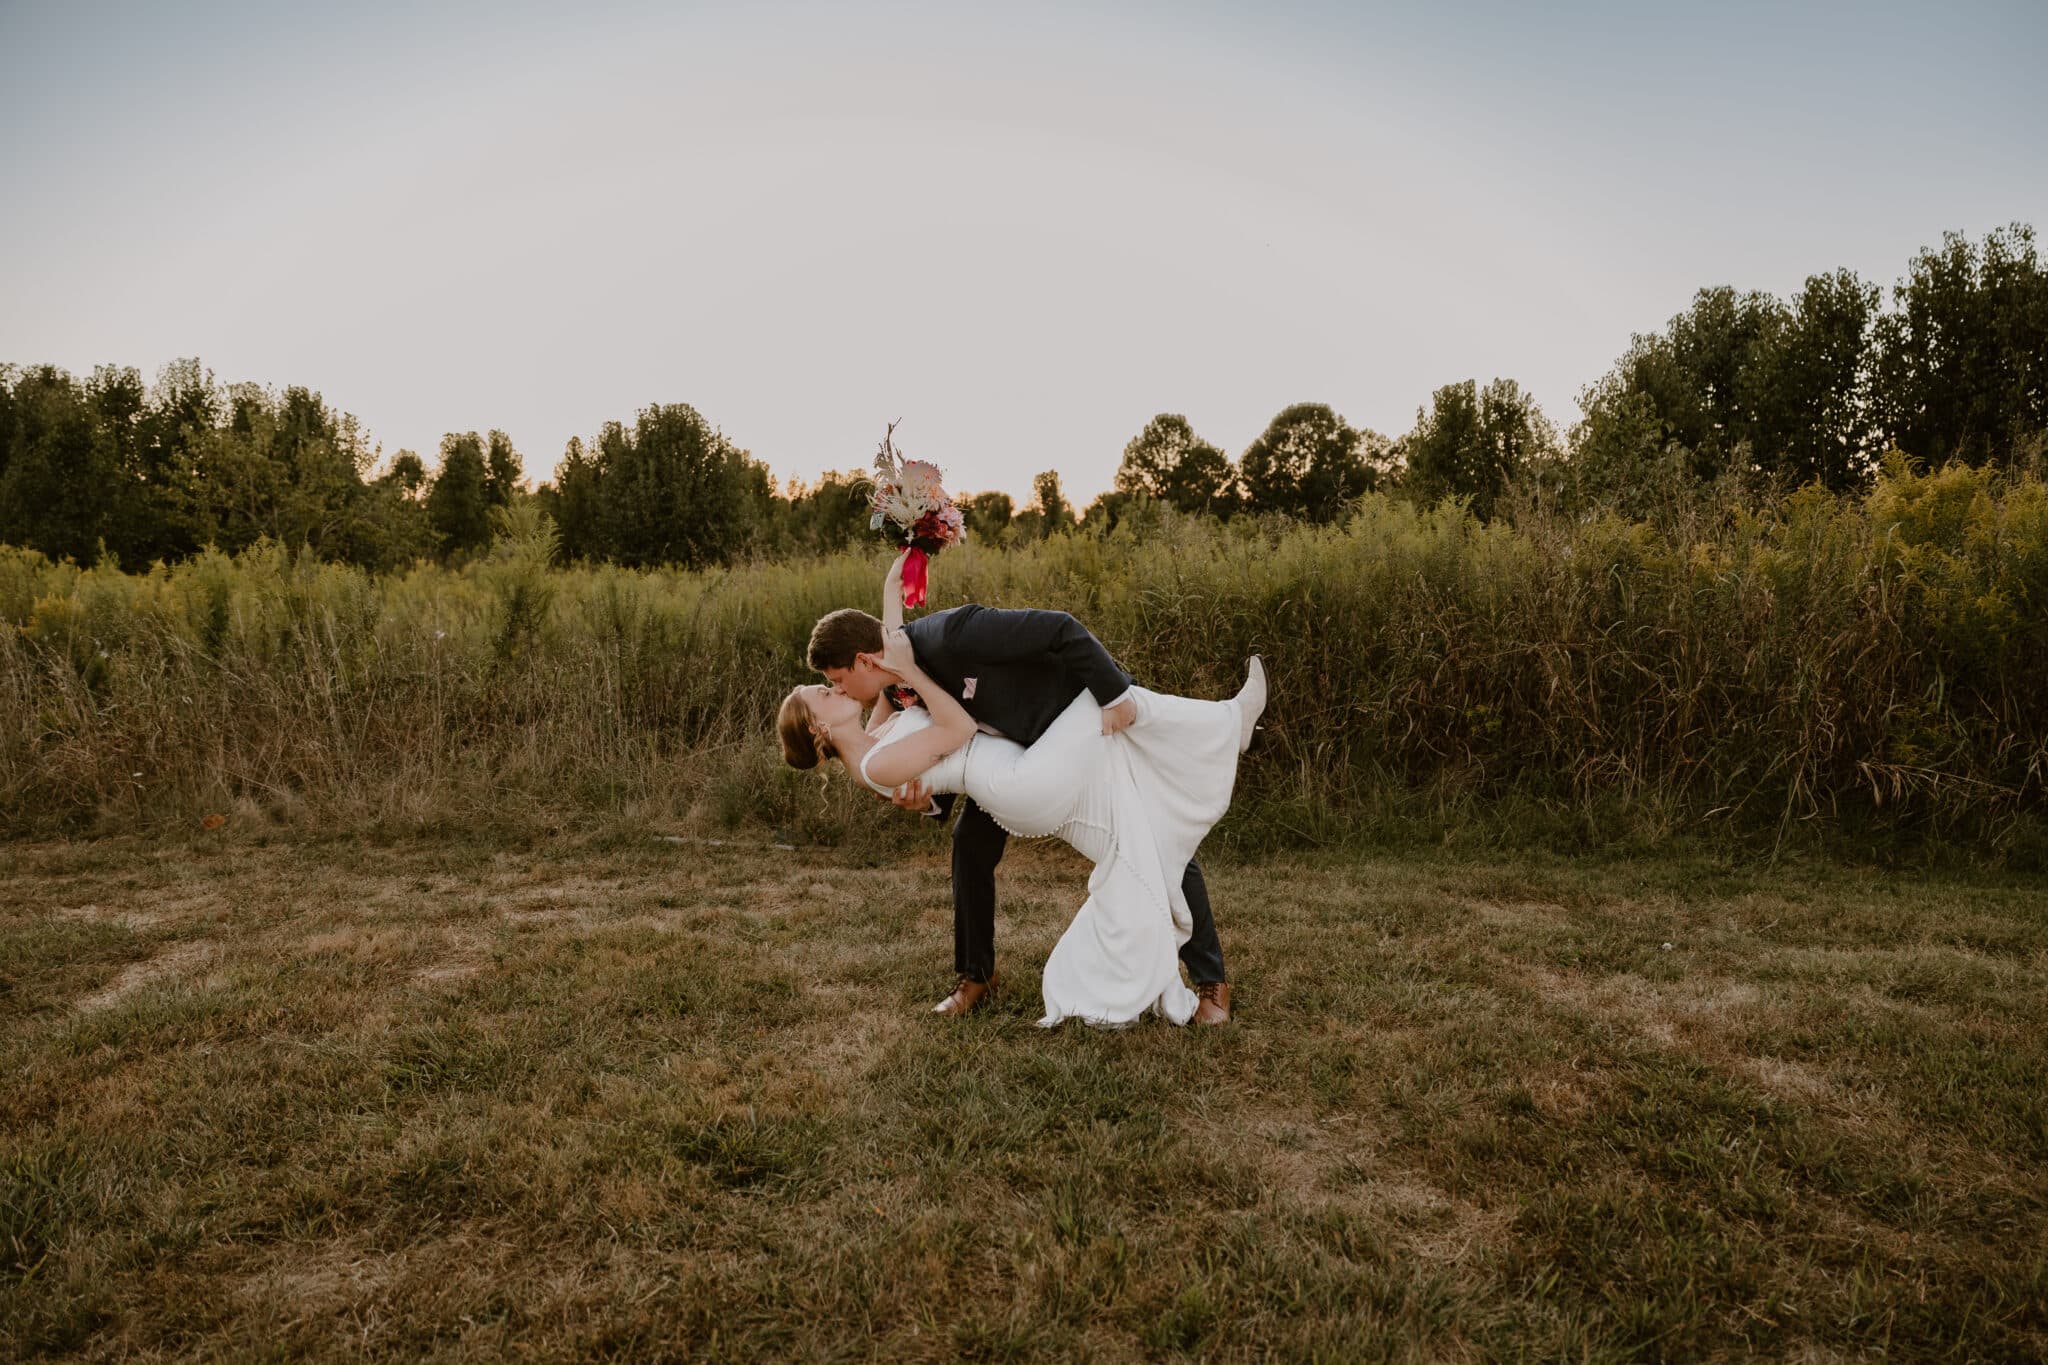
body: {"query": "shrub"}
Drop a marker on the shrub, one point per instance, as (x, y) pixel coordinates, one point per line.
(1868, 666)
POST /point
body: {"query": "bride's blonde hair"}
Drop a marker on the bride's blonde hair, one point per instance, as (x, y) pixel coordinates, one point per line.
(802, 745)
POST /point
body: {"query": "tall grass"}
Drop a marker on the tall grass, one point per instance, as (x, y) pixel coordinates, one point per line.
(1870, 668)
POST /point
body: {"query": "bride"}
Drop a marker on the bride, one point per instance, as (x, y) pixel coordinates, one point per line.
(1136, 803)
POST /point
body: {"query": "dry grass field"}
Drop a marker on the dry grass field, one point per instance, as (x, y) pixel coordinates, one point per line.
(625, 1099)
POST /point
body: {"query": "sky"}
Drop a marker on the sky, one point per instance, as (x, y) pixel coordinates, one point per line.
(1023, 230)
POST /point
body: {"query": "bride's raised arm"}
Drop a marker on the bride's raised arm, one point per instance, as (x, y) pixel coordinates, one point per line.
(885, 707)
(892, 594)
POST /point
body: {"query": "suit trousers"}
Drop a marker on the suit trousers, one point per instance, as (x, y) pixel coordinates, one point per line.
(978, 844)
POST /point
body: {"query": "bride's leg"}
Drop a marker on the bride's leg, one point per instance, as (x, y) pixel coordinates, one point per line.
(1186, 754)
(1036, 791)
(1168, 723)
(1069, 743)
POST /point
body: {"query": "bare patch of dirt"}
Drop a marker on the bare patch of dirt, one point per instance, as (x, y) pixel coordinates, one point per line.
(316, 1281)
(360, 944)
(1309, 1163)
(849, 1045)
(575, 890)
(1659, 1011)
(1520, 914)
(462, 954)
(1559, 1095)
(107, 914)
(159, 909)
(177, 960)
(1788, 1079)
(1466, 1227)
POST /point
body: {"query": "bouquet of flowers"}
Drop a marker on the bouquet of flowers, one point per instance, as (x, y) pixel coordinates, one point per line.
(913, 511)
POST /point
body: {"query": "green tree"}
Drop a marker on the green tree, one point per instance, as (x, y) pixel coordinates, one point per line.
(388, 530)
(671, 489)
(185, 412)
(459, 506)
(762, 508)
(10, 415)
(1311, 463)
(156, 472)
(233, 496)
(1694, 376)
(408, 473)
(1054, 513)
(1811, 389)
(1962, 359)
(1738, 385)
(826, 516)
(1111, 507)
(572, 501)
(64, 489)
(987, 514)
(504, 471)
(285, 467)
(118, 399)
(1472, 442)
(1169, 462)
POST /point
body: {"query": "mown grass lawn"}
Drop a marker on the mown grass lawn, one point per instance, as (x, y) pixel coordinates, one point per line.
(632, 1099)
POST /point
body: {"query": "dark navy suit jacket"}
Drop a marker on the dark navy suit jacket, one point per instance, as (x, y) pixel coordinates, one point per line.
(1015, 670)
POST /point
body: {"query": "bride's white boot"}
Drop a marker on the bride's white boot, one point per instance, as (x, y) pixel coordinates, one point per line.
(1251, 702)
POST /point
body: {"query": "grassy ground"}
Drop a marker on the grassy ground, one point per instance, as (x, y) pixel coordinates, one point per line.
(636, 1099)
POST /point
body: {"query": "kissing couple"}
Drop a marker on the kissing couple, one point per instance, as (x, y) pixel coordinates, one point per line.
(1026, 716)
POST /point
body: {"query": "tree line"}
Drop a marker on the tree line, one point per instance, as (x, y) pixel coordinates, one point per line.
(1740, 387)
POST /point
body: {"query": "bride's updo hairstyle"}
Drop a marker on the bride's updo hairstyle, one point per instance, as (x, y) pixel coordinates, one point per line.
(801, 746)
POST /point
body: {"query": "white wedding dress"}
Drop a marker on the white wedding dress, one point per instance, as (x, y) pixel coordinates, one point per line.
(1136, 804)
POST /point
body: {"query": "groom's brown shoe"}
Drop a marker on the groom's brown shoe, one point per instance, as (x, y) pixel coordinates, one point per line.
(969, 994)
(1215, 1006)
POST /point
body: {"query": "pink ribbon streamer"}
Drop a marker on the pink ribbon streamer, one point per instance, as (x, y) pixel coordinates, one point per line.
(914, 578)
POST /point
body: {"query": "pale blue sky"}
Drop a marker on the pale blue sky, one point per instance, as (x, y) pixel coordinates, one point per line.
(1024, 230)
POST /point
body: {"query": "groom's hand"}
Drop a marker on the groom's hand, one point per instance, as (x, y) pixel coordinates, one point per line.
(1118, 716)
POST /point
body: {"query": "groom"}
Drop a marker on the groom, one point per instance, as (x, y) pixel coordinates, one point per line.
(1014, 672)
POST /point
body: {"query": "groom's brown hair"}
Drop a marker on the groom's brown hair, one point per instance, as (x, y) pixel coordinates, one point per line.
(840, 636)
